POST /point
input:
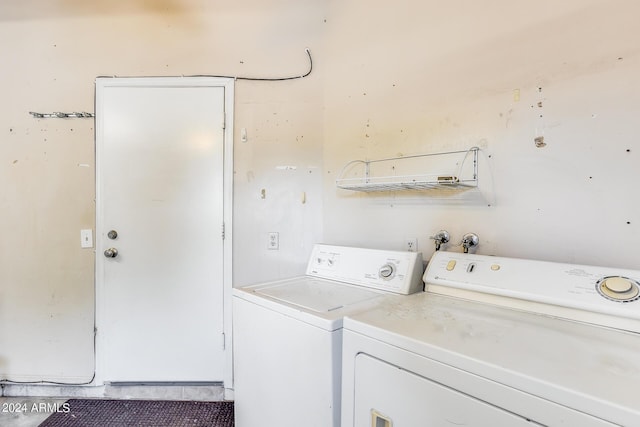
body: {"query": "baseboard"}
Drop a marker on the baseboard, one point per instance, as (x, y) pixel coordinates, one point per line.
(161, 391)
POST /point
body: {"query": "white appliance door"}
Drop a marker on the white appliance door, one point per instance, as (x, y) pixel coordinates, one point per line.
(159, 156)
(386, 396)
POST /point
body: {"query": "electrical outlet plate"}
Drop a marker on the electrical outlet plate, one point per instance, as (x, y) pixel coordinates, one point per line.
(273, 242)
(411, 244)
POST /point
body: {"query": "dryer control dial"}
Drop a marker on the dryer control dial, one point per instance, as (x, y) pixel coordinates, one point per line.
(618, 288)
(387, 271)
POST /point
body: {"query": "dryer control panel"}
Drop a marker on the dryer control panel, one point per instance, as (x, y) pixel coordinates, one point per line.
(392, 271)
(541, 286)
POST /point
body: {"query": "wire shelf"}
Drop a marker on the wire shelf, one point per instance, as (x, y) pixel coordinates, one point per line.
(454, 175)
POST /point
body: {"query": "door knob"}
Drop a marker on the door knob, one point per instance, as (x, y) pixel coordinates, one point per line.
(111, 253)
(113, 234)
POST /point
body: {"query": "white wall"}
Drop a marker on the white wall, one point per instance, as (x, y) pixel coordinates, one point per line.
(390, 78)
(277, 179)
(51, 52)
(418, 77)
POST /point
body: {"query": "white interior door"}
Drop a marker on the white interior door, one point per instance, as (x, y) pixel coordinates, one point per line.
(160, 158)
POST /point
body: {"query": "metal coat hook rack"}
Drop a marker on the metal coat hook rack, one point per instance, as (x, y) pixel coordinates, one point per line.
(59, 115)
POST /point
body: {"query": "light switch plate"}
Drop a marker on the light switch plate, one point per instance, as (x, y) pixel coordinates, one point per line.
(86, 238)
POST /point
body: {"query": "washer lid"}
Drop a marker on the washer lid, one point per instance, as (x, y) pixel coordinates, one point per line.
(320, 296)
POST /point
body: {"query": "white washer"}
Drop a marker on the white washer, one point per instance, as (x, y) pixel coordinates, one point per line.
(498, 342)
(288, 333)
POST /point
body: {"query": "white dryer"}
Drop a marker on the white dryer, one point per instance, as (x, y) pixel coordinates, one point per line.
(288, 333)
(498, 342)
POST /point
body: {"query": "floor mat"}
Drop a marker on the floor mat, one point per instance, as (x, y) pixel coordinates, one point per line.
(141, 413)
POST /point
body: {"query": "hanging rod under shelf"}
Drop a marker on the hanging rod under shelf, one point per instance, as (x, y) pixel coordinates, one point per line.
(59, 115)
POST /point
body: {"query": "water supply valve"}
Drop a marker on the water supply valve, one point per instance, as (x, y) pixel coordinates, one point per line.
(440, 238)
(469, 240)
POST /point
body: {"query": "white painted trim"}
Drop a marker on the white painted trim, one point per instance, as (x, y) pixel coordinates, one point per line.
(229, 99)
(99, 266)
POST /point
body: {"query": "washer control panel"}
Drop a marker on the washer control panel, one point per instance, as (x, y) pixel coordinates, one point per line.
(393, 271)
(604, 290)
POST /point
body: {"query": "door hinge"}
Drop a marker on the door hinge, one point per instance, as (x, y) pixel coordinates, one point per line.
(224, 120)
(224, 341)
(223, 231)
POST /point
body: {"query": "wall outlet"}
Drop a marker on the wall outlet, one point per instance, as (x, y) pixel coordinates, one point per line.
(411, 245)
(273, 242)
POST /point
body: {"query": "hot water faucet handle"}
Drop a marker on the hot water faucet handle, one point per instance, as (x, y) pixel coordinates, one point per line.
(440, 238)
(469, 240)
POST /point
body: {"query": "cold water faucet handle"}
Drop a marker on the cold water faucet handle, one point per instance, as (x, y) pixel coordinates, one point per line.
(440, 238)
(469, 240)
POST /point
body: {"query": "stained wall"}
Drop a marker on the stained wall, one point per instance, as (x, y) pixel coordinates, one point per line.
(52, 51)
(389, 80)
(409, 78)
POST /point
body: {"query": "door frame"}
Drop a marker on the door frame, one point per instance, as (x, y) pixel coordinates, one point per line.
(228, 85)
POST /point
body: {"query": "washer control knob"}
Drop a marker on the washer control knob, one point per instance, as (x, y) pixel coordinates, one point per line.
(617, 284)
(618, 288)
(387, 271)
